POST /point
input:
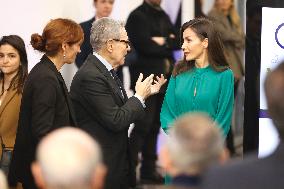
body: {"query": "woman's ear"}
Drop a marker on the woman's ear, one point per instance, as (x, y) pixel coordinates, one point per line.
(205, 43)
(64, 46)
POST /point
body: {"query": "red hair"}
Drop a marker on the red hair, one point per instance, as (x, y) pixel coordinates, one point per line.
(55, 33)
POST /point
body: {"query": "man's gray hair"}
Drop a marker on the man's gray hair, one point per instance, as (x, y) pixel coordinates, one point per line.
(195, 142)
(68, 158)
(104, 29)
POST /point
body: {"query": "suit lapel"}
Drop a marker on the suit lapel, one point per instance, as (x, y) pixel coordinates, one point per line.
(101, 67)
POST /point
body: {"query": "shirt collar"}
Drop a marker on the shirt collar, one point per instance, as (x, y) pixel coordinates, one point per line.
(104, 61)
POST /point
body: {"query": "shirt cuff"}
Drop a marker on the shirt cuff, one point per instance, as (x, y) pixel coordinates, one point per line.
(140, 99)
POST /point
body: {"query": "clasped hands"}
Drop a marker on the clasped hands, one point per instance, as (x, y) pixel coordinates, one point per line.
(149, 86)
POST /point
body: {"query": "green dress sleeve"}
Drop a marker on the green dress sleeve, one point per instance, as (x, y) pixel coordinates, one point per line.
(225, 101)
(168, 111)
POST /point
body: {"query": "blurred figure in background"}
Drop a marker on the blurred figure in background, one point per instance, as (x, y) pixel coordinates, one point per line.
(103, 9)
(227, 22)
(154, 38)
(198, 12)
(68, 158)
(194, 144)
(13, 73)
(252, 172)
(45, 103)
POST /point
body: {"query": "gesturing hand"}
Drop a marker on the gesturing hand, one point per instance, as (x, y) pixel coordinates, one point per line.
(143, 88)
(158, 82)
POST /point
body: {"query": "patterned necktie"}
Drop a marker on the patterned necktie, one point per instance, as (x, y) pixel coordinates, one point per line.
(118, 82)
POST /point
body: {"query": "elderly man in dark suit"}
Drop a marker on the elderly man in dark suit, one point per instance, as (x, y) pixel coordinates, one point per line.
(252, 172)
(101, 103)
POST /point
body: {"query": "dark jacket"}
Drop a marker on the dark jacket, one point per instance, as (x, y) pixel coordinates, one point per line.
(106, 115)
(45, 106)
(142, 24)
(251, 172)
(86, 47)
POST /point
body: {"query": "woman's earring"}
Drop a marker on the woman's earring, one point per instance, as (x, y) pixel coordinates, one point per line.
(64, 56)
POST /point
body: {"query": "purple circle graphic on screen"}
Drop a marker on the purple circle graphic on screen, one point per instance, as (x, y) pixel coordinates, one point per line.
(280, 27)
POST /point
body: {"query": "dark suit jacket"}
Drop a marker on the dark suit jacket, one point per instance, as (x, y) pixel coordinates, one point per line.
(86, 47)
(106, 115)
(45, 106)
(249, 173)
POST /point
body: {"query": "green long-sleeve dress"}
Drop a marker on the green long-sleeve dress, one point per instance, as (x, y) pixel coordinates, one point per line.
(200, 90)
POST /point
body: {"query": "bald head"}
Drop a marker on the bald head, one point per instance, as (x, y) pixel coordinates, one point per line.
(195, 142)
(67, 158)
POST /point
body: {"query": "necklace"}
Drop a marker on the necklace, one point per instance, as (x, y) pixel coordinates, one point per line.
(195, 86)
(198, 77)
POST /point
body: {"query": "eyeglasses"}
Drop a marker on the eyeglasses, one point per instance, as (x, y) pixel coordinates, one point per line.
(127, 43)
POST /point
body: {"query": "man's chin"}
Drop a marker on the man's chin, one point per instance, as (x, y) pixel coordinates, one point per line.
(122, 62)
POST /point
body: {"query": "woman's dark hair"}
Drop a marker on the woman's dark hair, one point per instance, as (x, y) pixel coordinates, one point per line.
(55, 33)
(203, 27)
(19, 79)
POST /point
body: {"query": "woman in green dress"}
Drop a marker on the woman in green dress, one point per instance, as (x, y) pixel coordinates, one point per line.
(203, 81)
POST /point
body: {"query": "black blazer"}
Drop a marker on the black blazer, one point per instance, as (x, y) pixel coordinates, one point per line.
(249, 173)
(102, 111)
(86, 47)
(45, 106)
